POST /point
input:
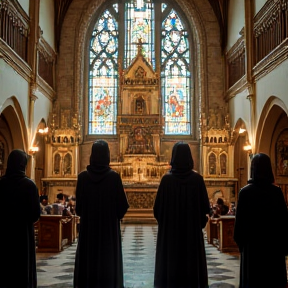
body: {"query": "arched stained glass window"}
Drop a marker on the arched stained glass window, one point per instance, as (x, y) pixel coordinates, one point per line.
(103, 75)
(139, 21)
(175, 75)
(139, 26)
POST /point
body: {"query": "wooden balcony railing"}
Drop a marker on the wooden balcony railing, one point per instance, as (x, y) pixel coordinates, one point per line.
(14, 27)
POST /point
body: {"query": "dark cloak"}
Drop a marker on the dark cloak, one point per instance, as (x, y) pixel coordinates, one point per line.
(261, 229)
(180, 208)
(20, 209)
(101, 203)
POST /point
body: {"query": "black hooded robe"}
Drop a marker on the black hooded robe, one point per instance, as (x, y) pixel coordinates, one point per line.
(20, 209)
(101, 203)
(261, 229)
(180, 208)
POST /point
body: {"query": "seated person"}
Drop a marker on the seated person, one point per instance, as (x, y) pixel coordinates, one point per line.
(58, 206)
(232, 209)
(71, 205)
(45, 208)
(215, 212)
(222, 207)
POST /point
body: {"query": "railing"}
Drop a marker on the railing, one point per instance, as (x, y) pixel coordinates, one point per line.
(236, 62)
(270, 27)
(14, 27)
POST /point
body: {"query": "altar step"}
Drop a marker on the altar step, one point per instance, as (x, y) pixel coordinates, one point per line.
(139, 216)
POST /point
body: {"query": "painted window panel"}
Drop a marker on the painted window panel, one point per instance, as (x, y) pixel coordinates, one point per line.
(103, 76)
(175, 76)
(139, 26)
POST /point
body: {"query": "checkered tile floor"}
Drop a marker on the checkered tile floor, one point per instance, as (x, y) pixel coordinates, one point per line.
(138, 245)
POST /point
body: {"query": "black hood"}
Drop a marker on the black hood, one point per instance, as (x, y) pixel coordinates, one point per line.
(99, 160)
(261, 170)
(16, 164)
(181, 161)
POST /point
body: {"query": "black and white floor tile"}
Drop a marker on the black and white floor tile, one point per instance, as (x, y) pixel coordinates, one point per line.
(138, 245)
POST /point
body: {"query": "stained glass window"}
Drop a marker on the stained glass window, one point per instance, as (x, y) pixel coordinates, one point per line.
(140, 21)
(103, 76)
(175, 76)
(139, 26)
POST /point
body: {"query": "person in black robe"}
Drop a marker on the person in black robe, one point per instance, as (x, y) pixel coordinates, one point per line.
(20, 209)
(262, 239)
(101, 203)
(181, 208)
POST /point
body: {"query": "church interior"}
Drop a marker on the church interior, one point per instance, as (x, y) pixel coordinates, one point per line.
(143, 75)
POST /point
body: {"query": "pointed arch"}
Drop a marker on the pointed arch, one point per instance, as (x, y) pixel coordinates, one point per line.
(271, 113)
(12, 112)
(196, 12)
(212, 163)
(223, 163)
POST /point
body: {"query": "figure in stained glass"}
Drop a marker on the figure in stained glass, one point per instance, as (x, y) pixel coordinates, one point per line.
(103, 104)
(140, 30)
(103, 75)
(175, 108)
(176, 74)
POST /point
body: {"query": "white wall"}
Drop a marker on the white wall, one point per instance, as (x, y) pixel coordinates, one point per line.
(239, 107)
(236, 21)
(258, 5)
(46, 21)
(273, 84)
(41, 109)
(12, 84)
(25, 5)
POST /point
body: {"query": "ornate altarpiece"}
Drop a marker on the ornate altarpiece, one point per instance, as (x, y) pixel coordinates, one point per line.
(217, 153)
(140, 126)
(62, 154)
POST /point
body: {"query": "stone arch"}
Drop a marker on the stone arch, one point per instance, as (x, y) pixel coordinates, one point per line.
(57, 165)
(272, 122)
(11, 113)
(272, 111)
(223, 163)
(68, 164)
(240, 156)
(240, 124)
(212, 163)
(39, 156)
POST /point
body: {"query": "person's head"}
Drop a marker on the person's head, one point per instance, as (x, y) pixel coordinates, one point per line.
(17, 162)
(100, 154)
(60, 197)
(44, 199)
(44, 202)
(181, 159)
(261, 169)
(215, 211)
(220, 201)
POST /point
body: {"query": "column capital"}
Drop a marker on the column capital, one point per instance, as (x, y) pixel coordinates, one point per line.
(33, 97)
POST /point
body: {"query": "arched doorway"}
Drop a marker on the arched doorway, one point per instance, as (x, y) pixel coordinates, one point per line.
(272, 139)
(241, 156)
(13, 134)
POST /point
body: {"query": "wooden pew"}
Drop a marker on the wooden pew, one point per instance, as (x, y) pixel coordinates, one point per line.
(212, 230)
(220, 233)
(54, 232)
(225, 234)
